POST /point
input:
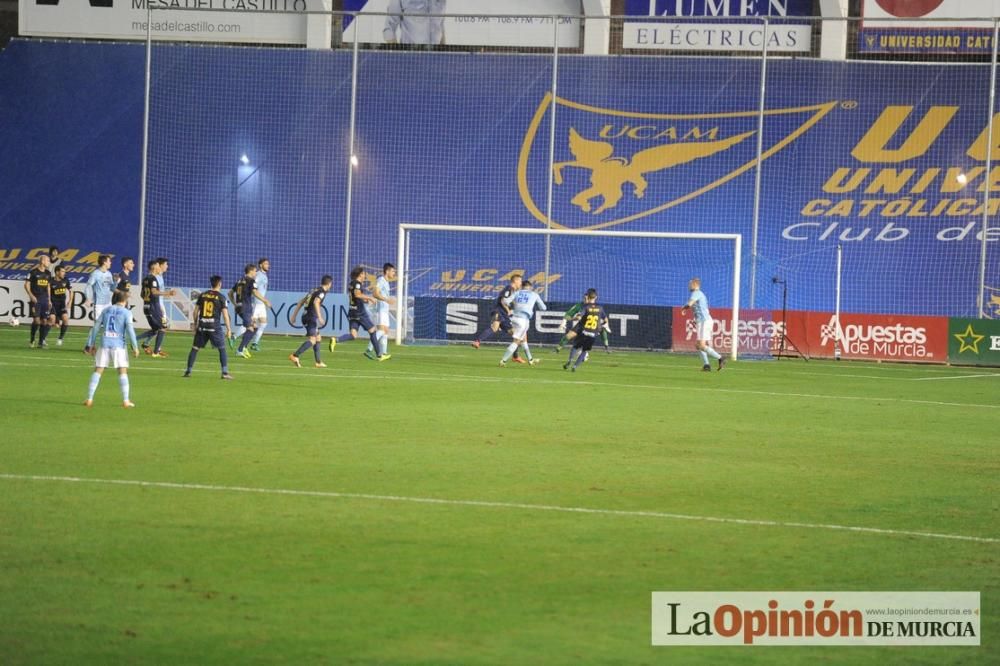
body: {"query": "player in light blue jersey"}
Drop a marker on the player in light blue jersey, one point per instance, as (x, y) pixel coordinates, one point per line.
(522, 304)
(385, 301)
(101, 285)
(698, 304)
(260, 307)
(108, 342)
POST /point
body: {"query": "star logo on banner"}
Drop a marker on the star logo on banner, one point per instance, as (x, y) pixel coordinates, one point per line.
(964, 340)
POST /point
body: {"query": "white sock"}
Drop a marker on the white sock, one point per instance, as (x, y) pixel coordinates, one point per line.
(714, 354)
(260, 331)
(527, 352)
(239, 331)
(383, 340)
(704, 357)
(123, 383)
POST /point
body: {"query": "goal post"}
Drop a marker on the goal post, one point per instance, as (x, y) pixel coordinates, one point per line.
(662, 260)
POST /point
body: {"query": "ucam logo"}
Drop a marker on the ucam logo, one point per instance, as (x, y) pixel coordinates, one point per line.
(615, 166)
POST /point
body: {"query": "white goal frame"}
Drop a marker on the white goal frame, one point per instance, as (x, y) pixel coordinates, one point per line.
(403, 249)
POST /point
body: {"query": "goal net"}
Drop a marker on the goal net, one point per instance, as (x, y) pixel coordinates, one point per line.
(449, 277)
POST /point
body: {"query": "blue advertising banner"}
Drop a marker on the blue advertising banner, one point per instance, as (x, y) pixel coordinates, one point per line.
(926, 26)
(462, 319)
(694, 8)
(887, 161)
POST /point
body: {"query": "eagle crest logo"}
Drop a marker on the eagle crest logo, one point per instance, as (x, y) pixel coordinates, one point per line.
(599, 167)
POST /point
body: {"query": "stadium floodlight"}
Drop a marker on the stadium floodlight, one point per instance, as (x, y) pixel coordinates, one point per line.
(244, 159)
(635, 267)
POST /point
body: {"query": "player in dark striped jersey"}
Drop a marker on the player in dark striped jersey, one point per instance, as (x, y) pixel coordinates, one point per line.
(357, 315)
(313, 320)
(210, 313)
(592, 319)
(37, 285)
(500, 315)
(62, 295)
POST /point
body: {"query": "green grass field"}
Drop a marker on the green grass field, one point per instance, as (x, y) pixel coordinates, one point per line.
(287, 516)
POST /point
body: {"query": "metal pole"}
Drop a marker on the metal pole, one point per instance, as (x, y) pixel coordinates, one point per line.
(401, 273)
(552, 149)
(836, 304)
(981, 298)
(350, 156)
(145, 142)
(756, 187)
(737, 258)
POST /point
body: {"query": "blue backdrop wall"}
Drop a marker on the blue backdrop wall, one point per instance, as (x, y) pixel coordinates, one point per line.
(249, 158)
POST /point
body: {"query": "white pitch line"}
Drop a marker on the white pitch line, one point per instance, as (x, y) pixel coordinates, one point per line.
(935, 379)
(497, 505)
(505, 376)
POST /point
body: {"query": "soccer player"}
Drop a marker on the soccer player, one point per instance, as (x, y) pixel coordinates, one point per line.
(383, 296)
(101, 285)
(236, 298)
(108, 334)
(698, 304)
(357, 316)
(570, 320)
(260, 309)
(123, 279)
(39, 291)
(249, 298)
(592, 319)
(54, 260)
(313, 320)
(209, 309)
(62, 294)
(152, 307)
(500, 315)
(522, 303)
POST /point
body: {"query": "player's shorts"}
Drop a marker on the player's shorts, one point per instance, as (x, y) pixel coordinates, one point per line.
(583, 341)
(116, 357)
(202, 338)
(502, 317)
(311, 324)
(99, 308)
(58, 311)
(39, 310)
(246, 314)
(260, 312)
(238, 318)
(382, 316)
(359, 319)
(519, 325)
(155, 318)
(705, 329)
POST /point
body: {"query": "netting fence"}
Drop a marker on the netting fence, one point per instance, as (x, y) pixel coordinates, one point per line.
(802, 134)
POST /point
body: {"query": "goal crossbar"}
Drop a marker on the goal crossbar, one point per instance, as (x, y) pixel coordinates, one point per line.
(402, 267)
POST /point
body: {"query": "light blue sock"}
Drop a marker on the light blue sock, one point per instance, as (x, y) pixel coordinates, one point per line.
(95, 379)
(527, 352)
(714, 354)
(511, 348)
(704, 357)
(384, 339)
(123, 383)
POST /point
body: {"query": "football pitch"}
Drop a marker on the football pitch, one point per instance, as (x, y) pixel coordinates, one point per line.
(438, 509)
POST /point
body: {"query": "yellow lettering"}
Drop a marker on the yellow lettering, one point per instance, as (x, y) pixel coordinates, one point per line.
(484, 274)
(889, 181)
(452, 276)
(835, 183)
(814, 207)
(642, 132)
(841, 208)
(872, 146)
